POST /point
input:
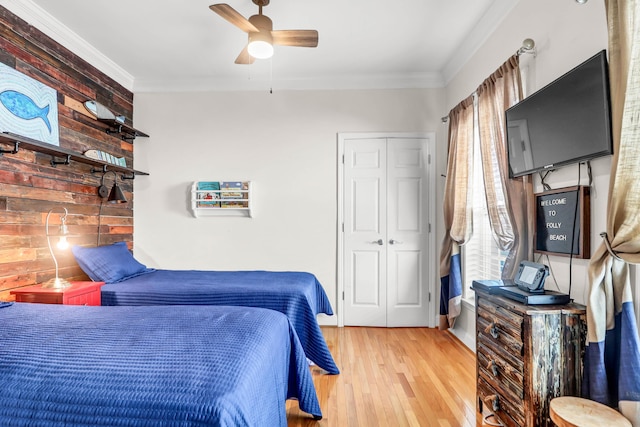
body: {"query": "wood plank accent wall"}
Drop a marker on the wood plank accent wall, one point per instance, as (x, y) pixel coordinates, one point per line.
(30, 186)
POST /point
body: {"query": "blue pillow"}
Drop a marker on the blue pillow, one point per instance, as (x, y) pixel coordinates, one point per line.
(109, 264)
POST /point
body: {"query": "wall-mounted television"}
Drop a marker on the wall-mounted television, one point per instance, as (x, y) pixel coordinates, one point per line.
(568, 121)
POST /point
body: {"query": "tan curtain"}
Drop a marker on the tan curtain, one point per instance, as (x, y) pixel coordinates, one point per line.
(612, 359)
(457, 209)
(509, 201)
(457, 198)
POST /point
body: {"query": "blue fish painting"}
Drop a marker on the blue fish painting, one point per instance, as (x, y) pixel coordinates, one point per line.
(20, 105)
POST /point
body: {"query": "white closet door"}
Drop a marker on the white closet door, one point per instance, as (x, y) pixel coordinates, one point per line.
(385, 232)
(407, 233)
(365, 192)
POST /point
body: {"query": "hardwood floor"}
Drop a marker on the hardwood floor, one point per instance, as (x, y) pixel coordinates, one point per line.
(394, 377)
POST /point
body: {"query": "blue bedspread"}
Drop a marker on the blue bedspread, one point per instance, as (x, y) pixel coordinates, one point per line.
(149, 366)
(298, 295)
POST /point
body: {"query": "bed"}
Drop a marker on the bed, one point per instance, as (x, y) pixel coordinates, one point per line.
(299, 295)
(155, 365)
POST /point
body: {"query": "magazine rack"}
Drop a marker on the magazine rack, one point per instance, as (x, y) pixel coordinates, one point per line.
(221, 198)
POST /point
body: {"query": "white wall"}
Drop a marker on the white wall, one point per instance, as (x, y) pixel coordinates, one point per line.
(286, 144)
(566, 34)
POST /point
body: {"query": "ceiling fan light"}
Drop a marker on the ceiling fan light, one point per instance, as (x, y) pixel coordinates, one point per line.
(260, 45)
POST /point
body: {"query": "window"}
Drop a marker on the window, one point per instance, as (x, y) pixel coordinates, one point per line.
(481, 257)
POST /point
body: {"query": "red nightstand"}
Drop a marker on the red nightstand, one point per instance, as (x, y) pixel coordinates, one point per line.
(79, 293)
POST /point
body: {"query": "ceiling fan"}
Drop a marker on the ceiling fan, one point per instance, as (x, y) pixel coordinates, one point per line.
(262, 36)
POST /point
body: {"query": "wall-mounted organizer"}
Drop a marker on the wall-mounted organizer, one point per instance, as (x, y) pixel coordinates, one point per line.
(221, 198)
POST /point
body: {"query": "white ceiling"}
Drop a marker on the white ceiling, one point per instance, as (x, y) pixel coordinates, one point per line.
(182, 45)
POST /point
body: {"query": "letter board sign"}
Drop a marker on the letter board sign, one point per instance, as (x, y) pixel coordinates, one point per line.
(563, 217)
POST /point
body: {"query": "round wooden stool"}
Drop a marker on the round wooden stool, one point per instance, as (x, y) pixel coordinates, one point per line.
(570, 411)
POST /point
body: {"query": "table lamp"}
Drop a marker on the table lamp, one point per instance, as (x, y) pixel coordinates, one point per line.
(63, 232)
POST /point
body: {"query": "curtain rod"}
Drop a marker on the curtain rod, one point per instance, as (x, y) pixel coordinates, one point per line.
(528, 46)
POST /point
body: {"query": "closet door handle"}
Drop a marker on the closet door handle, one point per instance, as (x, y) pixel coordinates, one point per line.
(378, 242)
(395, 242)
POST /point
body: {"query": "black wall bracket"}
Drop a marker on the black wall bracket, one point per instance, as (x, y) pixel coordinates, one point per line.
(105, 170)
(14, 151)
(96, 170)
(55, 162)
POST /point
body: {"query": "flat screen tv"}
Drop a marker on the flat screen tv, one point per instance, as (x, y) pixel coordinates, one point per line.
(568, 121)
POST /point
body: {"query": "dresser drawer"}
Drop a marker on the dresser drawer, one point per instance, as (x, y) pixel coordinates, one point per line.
(496, 370)
(507, 320)
(510, 413)
(88, 298)
(503, 341)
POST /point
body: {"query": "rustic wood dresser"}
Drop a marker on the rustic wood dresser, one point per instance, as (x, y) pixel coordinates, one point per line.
(525, 356)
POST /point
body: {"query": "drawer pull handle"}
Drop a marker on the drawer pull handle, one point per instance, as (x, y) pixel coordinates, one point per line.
(492, 329)
(493, 367)
(495, 402)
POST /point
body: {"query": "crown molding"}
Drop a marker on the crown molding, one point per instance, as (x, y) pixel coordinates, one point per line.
(362, 82)
(477, 37)
(49, 25)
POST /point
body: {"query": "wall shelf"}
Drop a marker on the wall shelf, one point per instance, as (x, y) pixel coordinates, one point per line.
(116, 125)
(126, 132)
(58, 153)
(221, 198)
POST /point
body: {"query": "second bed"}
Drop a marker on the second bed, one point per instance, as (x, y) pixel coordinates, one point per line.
(299, 295)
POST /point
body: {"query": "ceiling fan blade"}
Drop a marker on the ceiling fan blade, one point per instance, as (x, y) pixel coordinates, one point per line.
(233, 16)
(244, 57)
(301, 38)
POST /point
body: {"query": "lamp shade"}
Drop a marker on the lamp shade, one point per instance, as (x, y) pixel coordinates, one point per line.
(260, 45)
(116, 195)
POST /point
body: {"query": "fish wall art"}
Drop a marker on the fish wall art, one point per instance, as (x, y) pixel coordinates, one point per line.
(27, 107)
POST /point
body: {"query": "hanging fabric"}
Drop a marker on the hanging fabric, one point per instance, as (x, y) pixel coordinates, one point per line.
(612, 358)
(509, 201)
(457, 210)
